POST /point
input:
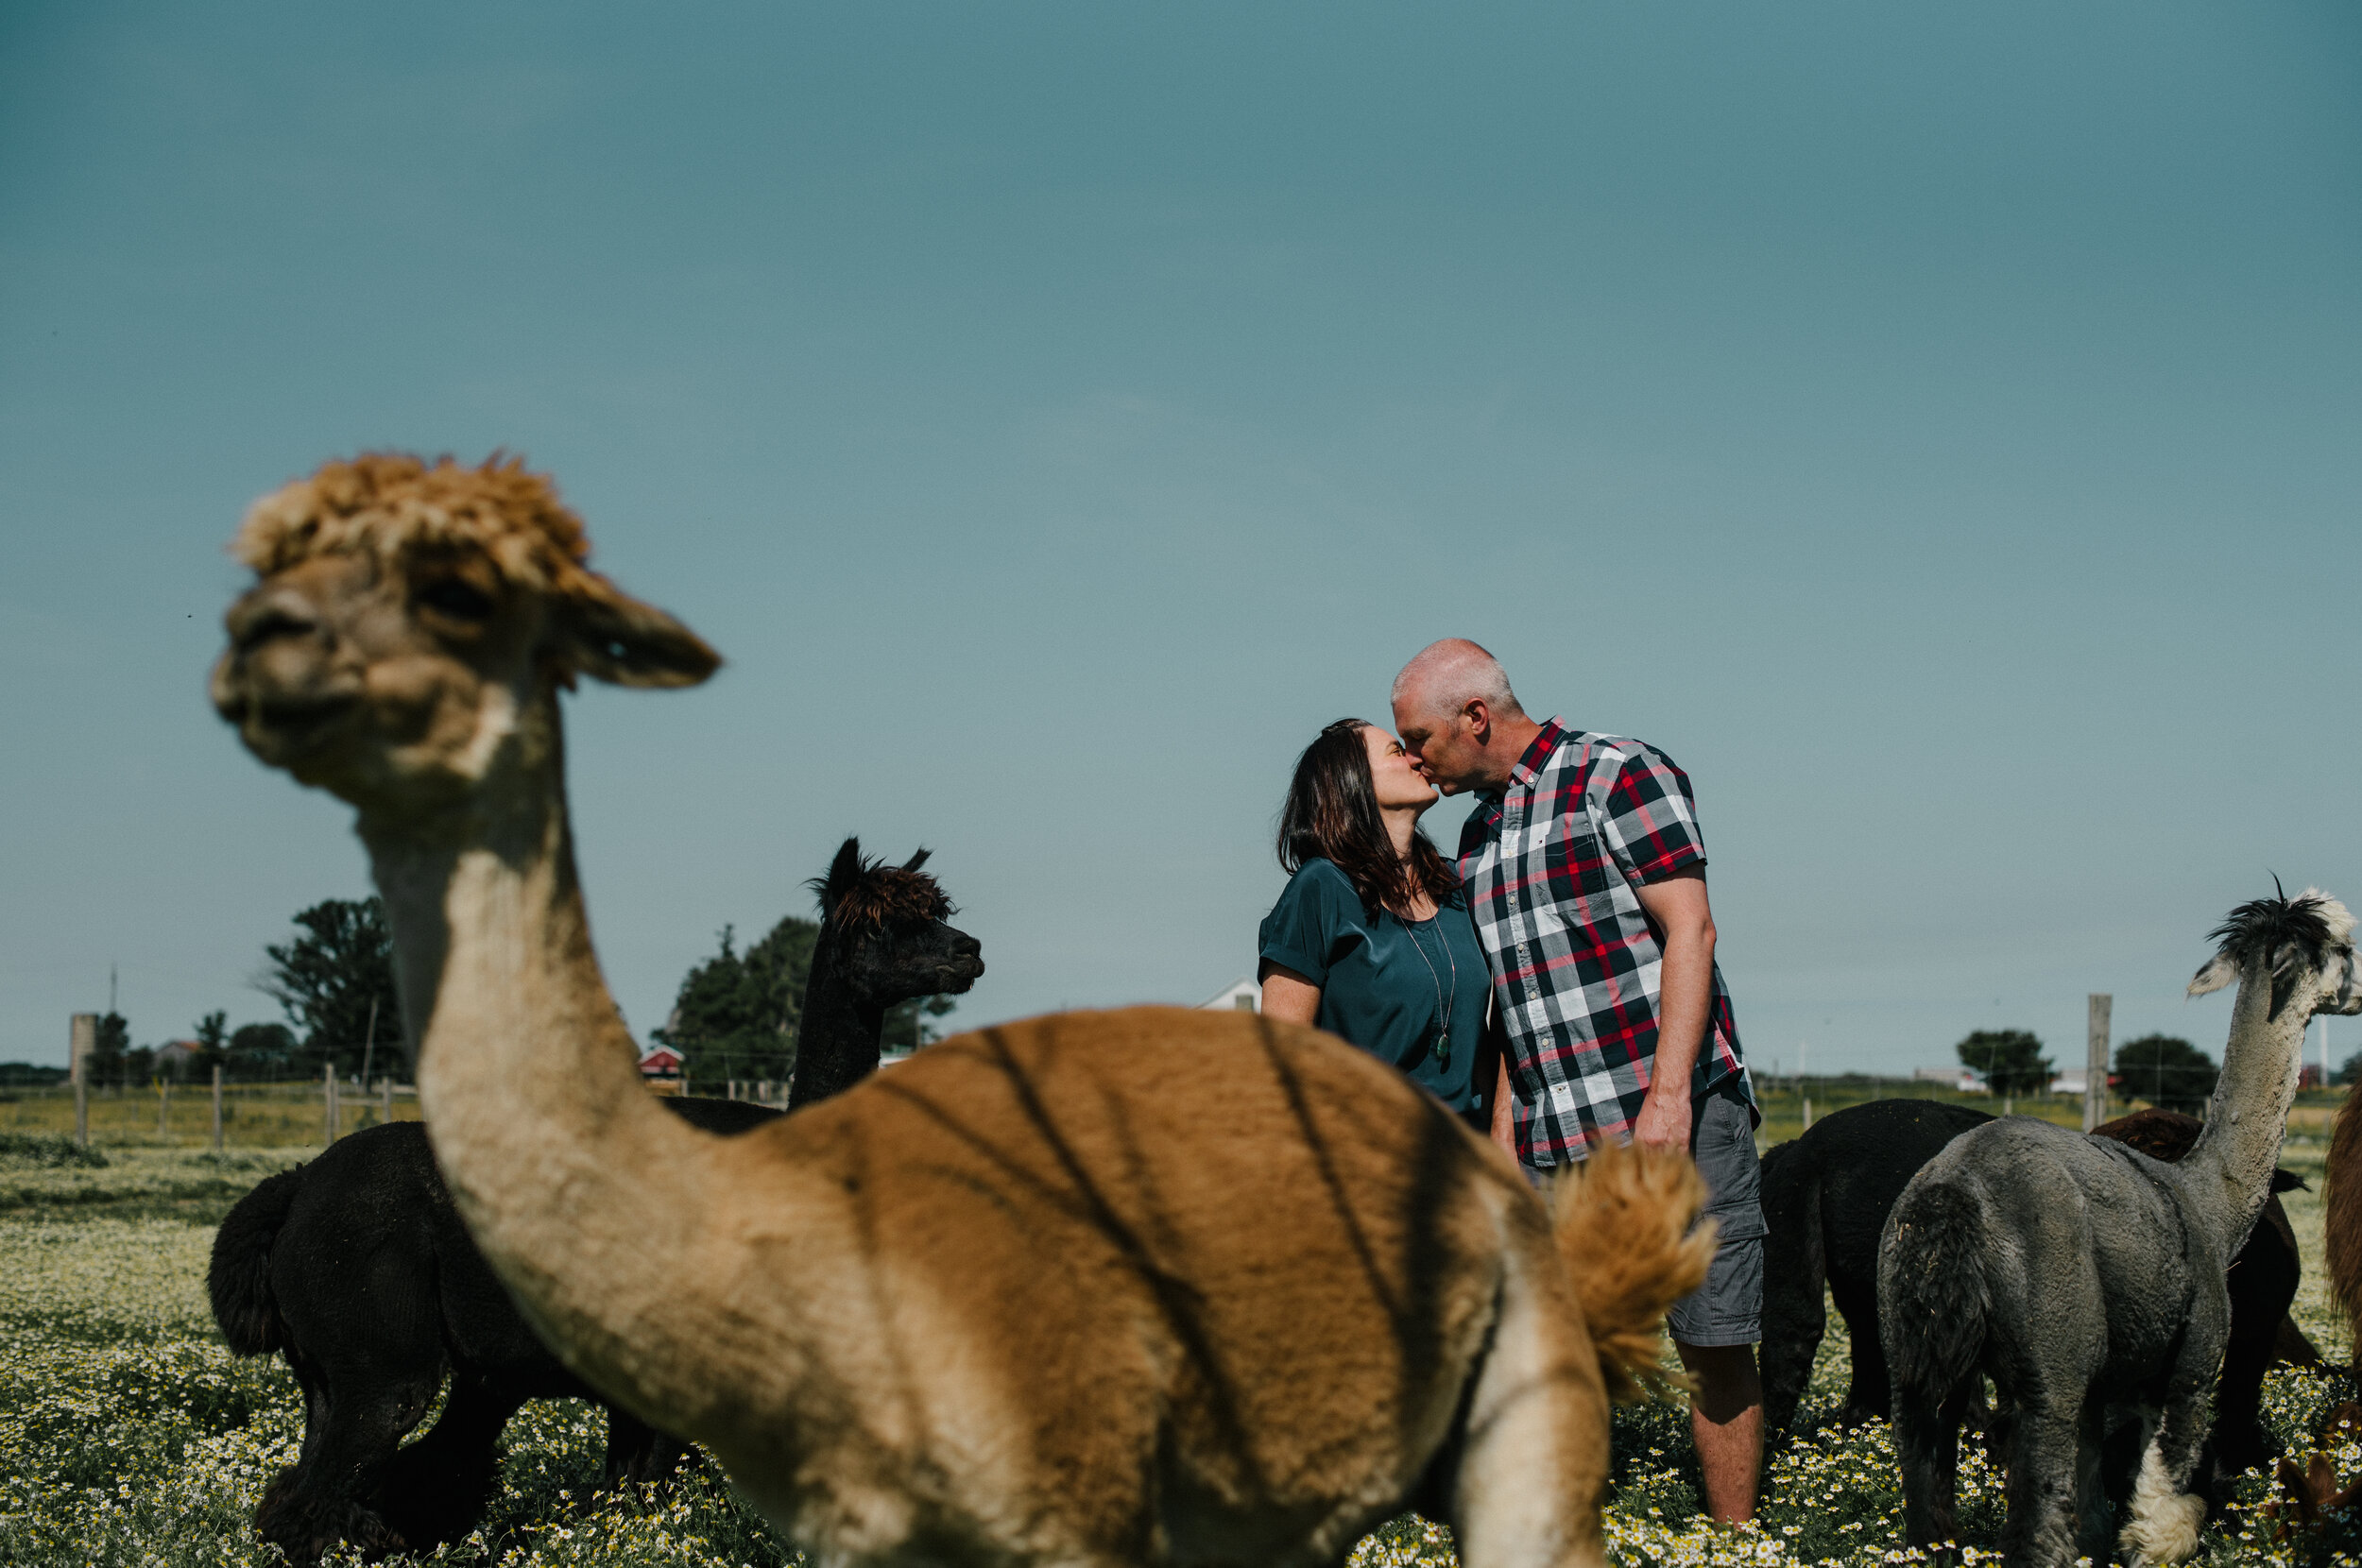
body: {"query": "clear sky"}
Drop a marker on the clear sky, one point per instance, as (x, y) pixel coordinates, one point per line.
(1935, 427)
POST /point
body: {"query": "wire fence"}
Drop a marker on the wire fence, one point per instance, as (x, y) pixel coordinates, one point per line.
(165, 1115)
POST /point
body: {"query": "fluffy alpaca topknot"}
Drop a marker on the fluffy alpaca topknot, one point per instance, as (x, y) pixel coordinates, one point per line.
(859, 892)
(2284, 935)
(389, 504)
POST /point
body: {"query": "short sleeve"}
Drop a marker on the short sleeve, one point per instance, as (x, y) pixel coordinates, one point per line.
(1650, 818)
(1304, 930)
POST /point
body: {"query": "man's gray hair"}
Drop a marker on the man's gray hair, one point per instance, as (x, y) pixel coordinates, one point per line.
(1446, 676)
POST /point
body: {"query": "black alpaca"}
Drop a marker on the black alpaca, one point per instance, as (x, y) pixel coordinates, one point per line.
(1826, 1196)
(356, 1267)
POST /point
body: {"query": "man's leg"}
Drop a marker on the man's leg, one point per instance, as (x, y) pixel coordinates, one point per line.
(1726, 1419)
(1716, 1328)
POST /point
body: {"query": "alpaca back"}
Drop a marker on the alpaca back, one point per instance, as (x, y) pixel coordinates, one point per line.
(1054, 1260)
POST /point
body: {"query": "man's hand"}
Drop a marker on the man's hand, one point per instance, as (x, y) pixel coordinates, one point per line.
(1663, 1119)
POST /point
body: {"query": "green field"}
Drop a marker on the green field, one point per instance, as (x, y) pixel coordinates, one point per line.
(128, 1435)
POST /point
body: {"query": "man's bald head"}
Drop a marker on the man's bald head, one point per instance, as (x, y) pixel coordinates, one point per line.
(1446, 676)
(1457, 717)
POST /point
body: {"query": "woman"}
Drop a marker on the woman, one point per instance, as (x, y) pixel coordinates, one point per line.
(1372, 939)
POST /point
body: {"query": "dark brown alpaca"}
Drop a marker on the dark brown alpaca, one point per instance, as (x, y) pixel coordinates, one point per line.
(2342, 1219)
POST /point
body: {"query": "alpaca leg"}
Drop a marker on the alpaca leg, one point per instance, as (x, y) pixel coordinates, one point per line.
(351, 1427)
(435, 1490)
(1795, 1318)
(637, 1452)
(2095, 1513)
(1533, 1469)
(2167, 1518)
(2045, 1464)
(1871, 1393)
(1927, 1439)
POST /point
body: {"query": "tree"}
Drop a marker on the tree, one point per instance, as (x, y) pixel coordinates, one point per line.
(260, 1052)
(331, 979)
(736, 1014)
(109, 1054)
(213, 1044)
(2350, 1071)
(2011, 1059)
(907, 1027)
(2168, 1072)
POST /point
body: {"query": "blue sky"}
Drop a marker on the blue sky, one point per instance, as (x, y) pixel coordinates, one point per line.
(1935, 427)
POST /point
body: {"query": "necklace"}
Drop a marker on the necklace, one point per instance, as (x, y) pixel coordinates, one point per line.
(1443, 1009)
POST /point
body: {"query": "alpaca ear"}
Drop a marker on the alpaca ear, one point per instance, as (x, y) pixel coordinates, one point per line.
(844, 873)
(610, 636)
(916, 861)
(2216, 973)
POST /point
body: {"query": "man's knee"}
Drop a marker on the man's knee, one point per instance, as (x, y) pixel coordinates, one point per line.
(1727, 1382)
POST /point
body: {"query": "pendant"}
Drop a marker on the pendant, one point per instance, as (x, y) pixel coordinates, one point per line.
(1442, 1049)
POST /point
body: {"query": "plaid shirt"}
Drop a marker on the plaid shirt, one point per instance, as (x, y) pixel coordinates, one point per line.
(1551, 865)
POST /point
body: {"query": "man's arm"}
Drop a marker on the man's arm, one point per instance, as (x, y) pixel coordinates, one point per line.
(1677, 907)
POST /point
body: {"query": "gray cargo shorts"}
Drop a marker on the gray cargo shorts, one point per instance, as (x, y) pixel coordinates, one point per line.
(1728, 1309)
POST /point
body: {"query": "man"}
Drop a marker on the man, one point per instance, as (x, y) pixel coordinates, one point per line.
(1586, 873)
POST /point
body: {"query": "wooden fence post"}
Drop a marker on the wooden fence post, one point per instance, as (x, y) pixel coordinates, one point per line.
(164, 1107)
(216, 1107)
(2096, 1059)
(328, 1104)
(385, 1093)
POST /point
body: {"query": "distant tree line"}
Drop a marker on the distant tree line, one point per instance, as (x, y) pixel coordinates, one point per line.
(736, 1016)
(2163, 1070)
(334, 981)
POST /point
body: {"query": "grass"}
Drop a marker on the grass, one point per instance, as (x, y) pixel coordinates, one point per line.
(129, 1437)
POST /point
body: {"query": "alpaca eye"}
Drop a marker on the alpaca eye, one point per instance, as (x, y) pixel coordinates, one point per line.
(459, 599)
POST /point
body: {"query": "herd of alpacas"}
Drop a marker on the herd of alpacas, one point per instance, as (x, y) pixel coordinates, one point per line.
(997, 1304)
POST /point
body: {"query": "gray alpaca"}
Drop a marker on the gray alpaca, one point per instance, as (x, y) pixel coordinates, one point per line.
(2081, 1275)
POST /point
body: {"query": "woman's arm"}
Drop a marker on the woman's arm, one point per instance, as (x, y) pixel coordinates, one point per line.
(1287, 996)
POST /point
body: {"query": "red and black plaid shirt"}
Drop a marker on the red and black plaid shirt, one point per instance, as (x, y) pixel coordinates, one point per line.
(1551, 866)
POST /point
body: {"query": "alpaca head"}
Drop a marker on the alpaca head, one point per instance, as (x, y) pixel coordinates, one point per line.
(2305, 943)
(885, 929)
(410, 623)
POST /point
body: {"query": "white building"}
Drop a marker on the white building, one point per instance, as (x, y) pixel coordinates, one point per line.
(1241, 996)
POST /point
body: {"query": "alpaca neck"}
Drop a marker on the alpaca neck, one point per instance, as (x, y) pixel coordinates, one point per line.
(571, 1179)
(837, 1038)
(2228, 1169)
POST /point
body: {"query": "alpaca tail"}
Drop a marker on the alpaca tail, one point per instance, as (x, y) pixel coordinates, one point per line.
(238, 1279)
(1933, 1299)
(1625, 1222)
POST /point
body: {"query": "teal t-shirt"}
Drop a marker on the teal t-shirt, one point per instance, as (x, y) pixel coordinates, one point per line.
(1388, 985)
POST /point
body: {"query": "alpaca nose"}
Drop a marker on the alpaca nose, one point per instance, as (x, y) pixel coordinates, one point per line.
(266, 616)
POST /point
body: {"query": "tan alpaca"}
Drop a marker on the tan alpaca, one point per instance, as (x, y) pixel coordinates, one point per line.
(1143, 1287)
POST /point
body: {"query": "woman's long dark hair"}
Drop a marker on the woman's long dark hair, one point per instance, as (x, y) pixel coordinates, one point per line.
(1331, 815)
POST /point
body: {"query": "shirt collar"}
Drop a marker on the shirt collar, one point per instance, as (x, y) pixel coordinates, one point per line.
(1544, 741)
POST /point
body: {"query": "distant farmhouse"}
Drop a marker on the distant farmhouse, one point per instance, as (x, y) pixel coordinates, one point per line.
(1240, 996)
